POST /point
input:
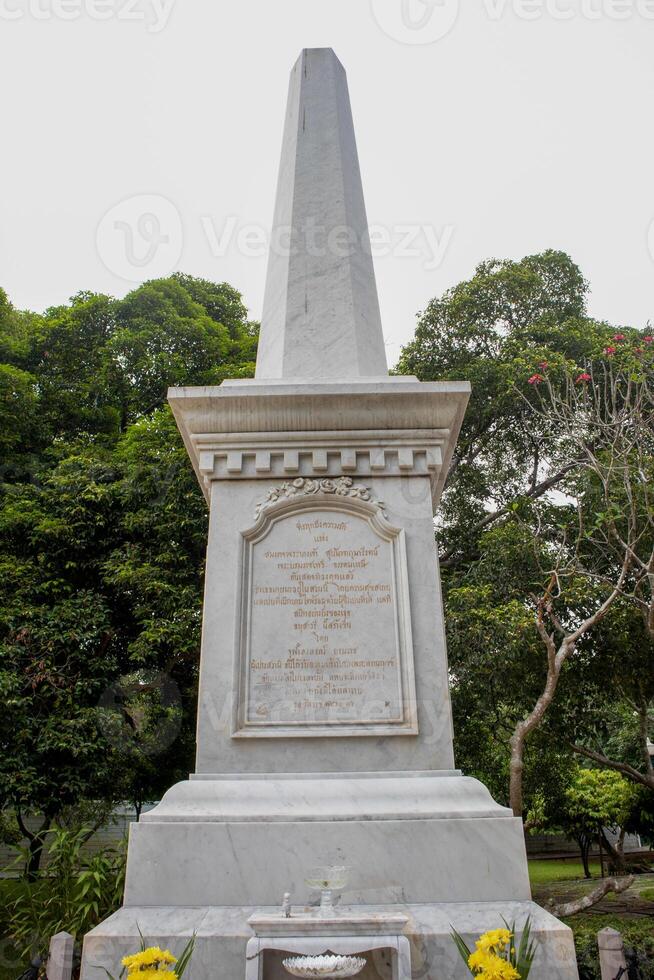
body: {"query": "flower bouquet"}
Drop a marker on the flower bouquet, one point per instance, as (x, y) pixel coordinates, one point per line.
(495, 957)
(154, 963)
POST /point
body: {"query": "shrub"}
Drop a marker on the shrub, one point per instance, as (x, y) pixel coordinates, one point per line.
(74, 894)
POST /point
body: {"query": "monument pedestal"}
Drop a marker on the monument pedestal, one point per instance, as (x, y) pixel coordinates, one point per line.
(407, 838)
(418, 844)
(324, 726)
(223, 935)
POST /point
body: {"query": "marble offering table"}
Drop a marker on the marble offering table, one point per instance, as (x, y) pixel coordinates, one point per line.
(347, 931)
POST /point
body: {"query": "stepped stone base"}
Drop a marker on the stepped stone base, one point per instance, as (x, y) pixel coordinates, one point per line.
(406, 837)
(223, 932)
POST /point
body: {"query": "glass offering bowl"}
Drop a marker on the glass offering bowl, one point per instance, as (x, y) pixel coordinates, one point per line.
(326, 881)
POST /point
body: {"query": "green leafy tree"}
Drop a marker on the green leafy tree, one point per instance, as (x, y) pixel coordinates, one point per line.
(69, 358)
(497, 669)
(602, 418)
(103, 532)
(19, 417)
(518, 604)
(487, 331)
(58, 649)
(594, 801)
(164, 338)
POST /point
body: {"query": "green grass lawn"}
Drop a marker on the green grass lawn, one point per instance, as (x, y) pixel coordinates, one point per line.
(549, 872)
(564, 881)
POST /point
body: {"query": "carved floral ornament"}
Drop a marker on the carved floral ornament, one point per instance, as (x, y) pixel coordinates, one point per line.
(342, 486)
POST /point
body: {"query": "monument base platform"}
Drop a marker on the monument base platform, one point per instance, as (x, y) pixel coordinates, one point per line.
(408, 838)
(223, 934)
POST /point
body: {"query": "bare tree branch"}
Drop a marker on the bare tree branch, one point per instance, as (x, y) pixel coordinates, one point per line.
(616, 885)
(602, 760)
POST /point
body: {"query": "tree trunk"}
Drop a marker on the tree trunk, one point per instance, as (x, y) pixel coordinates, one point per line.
(616, 854)
(35, 842)
(556, 658)
(534, 719)
(517, 743)
(584, 847)
(34, 858)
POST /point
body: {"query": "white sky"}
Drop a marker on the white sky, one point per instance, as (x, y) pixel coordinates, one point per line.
(507, 136)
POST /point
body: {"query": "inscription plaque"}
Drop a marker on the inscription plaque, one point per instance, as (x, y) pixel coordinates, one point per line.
(324, 635)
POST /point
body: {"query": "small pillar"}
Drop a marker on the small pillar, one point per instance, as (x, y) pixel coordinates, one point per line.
(60, 957)
(611, 953)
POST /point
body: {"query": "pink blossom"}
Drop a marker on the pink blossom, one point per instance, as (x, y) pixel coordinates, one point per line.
(609, 351)
(584, 376)
(649, 340)
(535, 379)
(619, 337)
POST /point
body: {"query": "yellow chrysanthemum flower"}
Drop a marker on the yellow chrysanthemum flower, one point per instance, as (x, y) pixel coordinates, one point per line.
(478, 960)
(497, 968)
(494, 939)
(153, 974)
(149, 960)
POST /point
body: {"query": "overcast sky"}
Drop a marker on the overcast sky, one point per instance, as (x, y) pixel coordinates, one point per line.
(143, 136)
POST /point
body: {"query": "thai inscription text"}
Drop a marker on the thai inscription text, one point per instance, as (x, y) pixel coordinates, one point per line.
(324, 644)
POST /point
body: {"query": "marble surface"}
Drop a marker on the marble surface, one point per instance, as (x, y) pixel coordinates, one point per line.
(342, 921)
(409, 507)
(321, 311)
(255, 430)
(60, 956)
(421, 860)
(324, 637)
(316, 796)
(223, 935)
(328, 966)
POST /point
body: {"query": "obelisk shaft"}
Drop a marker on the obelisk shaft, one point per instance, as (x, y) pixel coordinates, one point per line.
(321, 314)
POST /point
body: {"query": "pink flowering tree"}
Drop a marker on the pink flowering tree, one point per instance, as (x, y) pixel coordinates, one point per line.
(600, 419)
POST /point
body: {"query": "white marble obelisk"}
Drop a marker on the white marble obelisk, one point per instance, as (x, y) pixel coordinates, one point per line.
(321, 312)
(324, 722)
